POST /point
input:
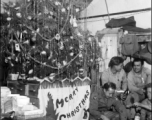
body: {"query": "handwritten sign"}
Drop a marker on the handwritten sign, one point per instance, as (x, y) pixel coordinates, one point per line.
(65, 103)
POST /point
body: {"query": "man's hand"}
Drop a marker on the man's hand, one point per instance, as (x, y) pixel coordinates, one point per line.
(123, 97)
(137, 104)
(104, 117)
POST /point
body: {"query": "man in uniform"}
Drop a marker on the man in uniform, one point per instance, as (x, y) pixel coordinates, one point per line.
(102, 101)
(138, 78)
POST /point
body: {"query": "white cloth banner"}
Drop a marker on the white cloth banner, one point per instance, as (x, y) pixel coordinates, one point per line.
(65, 103)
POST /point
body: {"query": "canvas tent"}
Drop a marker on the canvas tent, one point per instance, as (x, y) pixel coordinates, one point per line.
(98, 7)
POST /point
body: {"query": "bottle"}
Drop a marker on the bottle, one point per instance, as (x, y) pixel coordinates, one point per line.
(137, 116)
(125, 94)
(85, 114)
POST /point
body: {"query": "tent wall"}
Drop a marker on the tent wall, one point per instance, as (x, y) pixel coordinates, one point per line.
(98, 7)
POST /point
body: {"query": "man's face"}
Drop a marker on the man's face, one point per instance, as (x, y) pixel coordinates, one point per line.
(137, 67)
(119, 67)
(110, 92)
(149, 93)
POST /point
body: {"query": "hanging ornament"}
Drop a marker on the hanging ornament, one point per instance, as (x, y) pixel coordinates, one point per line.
(81, 47)
(57, 3)
(33, 39)
(71, 54)
(24, 31)
(29, 17)
(61, 46)
(89, 39)
(16, 59)
(91, 60)
(17, 8)
(63, 9)
(17, 47)
(81, 71)
(30, 71)
(77, 9)
(71, 37)
(43, 53)
(71, 20)
(54, 60)
(64, 63)
(59, 65)
(38, 30)
(79, 34)
(57, 37)
(75, 22)
(71, 48)
(68, 8)
(18, 15)
(26, 42)
(51, 76)
(9, 19)
(46, 11)
(80, 55)
(44, 63)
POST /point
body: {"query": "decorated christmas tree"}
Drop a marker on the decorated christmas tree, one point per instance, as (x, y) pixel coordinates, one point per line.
(44, 40)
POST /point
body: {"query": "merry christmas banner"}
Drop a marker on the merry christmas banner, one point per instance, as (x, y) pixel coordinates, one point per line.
(65, 100)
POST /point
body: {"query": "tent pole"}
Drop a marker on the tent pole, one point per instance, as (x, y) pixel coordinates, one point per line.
(107, 9)
(118, 13)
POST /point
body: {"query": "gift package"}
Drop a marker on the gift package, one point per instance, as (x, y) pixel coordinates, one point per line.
(19, 104)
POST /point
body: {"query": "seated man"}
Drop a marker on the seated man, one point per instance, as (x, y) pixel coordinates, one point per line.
(102, 100)
(146, 105)
(138, 78)
(115, 73)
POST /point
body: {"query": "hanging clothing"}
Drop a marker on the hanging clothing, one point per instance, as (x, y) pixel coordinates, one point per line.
(129, 45)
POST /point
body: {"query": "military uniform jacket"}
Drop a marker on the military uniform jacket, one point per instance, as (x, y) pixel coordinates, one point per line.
(99, 103)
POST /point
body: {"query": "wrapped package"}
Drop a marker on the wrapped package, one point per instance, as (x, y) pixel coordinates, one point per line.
(5, 91)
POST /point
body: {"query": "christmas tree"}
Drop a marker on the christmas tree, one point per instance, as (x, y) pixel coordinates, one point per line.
(44, 40)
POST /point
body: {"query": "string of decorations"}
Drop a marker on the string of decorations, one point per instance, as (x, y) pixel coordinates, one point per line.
(44, 39)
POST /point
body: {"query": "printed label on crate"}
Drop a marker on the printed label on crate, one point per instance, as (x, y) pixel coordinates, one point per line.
(65, 101)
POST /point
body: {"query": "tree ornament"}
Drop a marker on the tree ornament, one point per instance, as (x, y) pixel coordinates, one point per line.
(57, 3)
(59, 65)
(71, 20)
(77, 9)
(17, 8)
(30, 71)
(25, 31)
(51, 13)
(38, 30)
(33, 39)
(71, 48)
(8, 13)
(61, 46)
(9, 19)
(17, 47)
(71, 37)
(64, 63)
(71, 54)
(43, 53)
(57, 37)
(26, 42)
(29, 17)
(75, 22)
(63, 9)
(18, 15)
(80, 55)
(51, 76)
